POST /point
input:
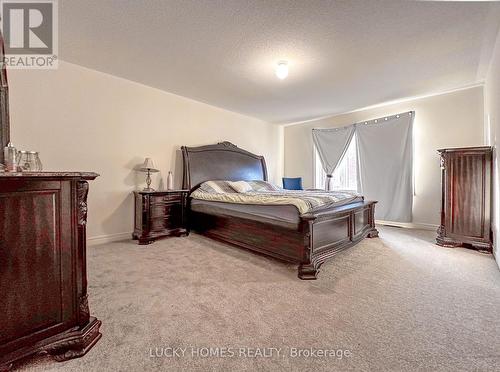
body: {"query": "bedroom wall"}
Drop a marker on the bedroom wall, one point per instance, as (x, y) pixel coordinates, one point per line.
(449, 120)
(492, 118)
(81, 119)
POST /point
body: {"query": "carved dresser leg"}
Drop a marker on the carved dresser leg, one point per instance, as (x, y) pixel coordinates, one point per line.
(443, 241)
(308, 272)
(447, 243)
(483, 247)
(77, 343)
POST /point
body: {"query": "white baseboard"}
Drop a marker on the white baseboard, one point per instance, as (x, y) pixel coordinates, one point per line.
(409, 225)
(102, 239)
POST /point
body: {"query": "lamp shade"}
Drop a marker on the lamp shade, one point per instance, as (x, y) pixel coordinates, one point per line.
(149, 165)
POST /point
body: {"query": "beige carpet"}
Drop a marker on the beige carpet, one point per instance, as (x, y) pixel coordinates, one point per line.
(396, 303)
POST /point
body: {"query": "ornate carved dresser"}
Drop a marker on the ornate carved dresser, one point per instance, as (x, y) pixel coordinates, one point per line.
(43, 276)
(466, 183)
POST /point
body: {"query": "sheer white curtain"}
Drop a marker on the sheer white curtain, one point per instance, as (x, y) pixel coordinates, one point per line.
(332, 145)
(385, 163)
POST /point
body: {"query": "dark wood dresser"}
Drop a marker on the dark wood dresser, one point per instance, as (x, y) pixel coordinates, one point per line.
(159, 214)
(466, 182)
(43, 275)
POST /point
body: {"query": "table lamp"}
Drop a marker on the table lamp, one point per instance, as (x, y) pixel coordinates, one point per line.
(148, 167)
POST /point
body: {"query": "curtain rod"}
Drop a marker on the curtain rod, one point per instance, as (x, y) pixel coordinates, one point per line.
(371, 121)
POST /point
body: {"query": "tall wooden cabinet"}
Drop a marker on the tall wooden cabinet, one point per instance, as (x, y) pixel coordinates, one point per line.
(466, 182)
(43, 274)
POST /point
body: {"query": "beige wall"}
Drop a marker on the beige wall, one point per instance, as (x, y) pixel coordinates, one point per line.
(80, 119)
(492, 111)
(448, 120)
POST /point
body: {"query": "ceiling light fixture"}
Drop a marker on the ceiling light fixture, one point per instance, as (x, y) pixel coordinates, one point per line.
(282, 70)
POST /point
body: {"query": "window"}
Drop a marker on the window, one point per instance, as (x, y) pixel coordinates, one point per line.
(345, 176)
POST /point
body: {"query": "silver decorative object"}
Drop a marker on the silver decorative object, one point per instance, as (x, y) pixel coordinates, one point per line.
(10, 157)
(170, 181)
(29, 161)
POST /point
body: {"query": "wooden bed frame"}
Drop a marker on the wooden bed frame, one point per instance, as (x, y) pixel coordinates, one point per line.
(318, 237)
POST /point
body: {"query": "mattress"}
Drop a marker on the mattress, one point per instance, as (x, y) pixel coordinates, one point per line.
(281, 215)
(287, 216)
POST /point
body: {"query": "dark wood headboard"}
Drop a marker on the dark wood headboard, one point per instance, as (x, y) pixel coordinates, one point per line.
(223, 161)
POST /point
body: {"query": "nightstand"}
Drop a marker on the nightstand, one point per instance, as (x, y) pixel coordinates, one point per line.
(159, 214)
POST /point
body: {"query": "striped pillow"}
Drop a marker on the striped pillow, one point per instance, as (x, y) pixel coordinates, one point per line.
(221, 187)
(263, 186)
(240, 186)
(216, 187)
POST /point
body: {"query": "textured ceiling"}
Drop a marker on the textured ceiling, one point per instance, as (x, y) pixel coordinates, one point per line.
(343, 55)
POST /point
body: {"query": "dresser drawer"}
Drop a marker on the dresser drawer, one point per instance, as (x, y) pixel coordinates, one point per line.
(165, 209)
(177, 197)
(165, 223)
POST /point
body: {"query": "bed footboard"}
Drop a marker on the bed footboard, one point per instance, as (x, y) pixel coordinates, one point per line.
(332, 232)
(318, 237)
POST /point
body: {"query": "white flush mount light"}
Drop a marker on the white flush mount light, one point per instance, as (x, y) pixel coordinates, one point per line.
(282, 70)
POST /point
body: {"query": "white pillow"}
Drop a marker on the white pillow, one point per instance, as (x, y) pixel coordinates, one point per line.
(240, 186)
